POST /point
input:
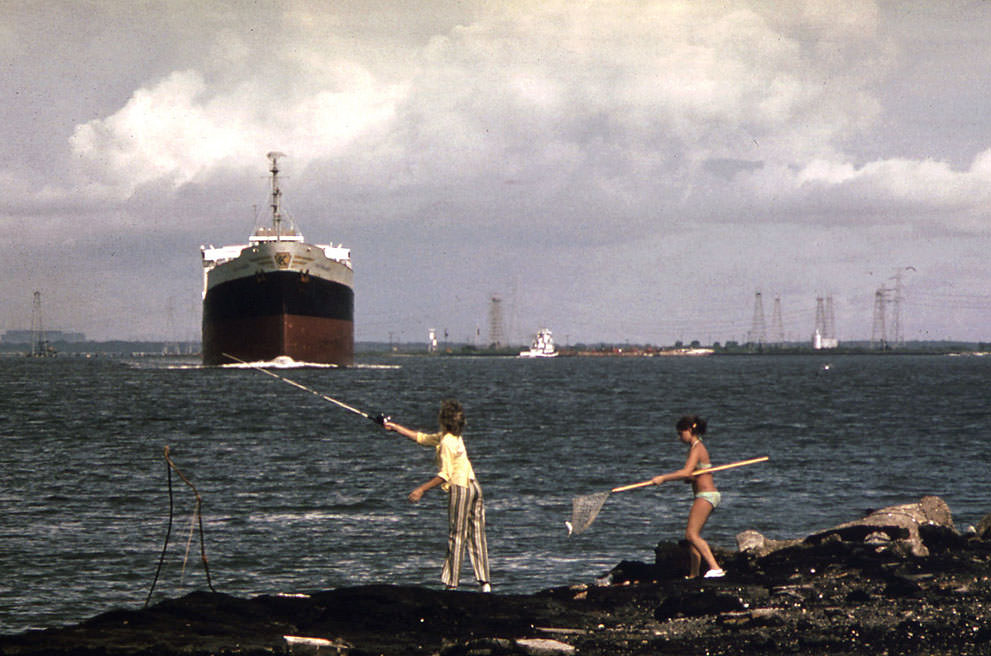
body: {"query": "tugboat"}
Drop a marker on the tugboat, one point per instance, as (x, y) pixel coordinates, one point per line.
(542, 346)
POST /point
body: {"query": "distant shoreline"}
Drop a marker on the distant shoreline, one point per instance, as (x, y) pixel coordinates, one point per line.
(153, 349)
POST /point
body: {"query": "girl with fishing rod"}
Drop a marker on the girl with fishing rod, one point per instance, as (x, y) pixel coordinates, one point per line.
(706, 498)
(465, 507)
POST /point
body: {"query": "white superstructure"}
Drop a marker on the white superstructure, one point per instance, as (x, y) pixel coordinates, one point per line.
(542, 346)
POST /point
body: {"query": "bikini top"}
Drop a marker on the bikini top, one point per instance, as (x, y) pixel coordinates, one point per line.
(700, 465)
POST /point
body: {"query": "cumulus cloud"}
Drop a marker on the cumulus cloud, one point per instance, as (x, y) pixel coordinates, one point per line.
(909, 191)
(179, 129)
(647, 90)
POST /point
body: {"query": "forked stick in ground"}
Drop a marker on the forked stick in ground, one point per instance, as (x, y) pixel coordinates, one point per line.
(585, 508)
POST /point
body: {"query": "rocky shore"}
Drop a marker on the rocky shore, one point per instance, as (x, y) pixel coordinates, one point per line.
(901, 580)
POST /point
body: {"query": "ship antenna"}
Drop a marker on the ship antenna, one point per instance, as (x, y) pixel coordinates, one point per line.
(276, 194)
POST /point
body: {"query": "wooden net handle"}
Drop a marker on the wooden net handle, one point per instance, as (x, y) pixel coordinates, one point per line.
(697, 472)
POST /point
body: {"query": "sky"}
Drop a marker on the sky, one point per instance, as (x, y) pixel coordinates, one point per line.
(616, 171)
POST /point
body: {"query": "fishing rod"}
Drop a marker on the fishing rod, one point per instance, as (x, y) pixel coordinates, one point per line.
(379, 419)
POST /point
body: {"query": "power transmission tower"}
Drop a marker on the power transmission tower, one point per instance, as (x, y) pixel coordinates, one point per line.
(898, 333)
(758, 331)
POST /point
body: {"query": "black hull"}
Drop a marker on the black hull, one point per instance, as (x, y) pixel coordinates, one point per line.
(279, 313)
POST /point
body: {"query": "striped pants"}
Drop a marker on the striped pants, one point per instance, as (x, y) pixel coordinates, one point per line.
(466, 526)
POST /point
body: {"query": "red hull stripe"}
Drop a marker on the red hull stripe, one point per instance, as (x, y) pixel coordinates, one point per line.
(304, 339)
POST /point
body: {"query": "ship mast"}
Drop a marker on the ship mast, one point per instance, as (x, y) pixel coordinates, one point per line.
(276, 194)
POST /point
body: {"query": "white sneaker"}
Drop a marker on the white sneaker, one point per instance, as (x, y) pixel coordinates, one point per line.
(486, 587)
(715, 574)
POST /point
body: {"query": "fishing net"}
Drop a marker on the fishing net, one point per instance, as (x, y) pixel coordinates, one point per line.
(584, 510)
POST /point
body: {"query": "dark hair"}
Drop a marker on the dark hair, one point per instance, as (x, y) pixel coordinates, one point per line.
(692, 423)
(451, 417)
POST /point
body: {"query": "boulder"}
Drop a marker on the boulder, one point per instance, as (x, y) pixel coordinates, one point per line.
(899, 523)
(912, 527)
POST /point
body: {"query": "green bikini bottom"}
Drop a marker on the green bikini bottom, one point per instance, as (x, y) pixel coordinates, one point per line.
(711, 497)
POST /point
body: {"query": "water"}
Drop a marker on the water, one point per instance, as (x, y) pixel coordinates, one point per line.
(300, 495)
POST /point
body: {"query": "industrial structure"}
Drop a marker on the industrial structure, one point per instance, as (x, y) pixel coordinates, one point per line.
(824, 331)
(40, 348)
(884, 298)
(497, 337)
(824, 335)
(777, 325)
(758, 331)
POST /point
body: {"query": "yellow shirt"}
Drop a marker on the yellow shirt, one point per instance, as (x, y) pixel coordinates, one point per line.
(451, 457)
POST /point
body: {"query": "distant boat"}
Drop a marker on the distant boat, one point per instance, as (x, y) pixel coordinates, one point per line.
(278, 297)
(542, 346)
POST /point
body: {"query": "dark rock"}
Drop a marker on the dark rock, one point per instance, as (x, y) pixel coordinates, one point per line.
(693, 604)
(900, 586)
(672, 557)
(634, 571)
(858, 596)
(670, 564)
(939, 539)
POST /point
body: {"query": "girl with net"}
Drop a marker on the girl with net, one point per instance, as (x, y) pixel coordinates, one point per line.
(690, 429)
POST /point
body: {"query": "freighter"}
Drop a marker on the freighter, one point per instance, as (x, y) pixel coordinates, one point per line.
(277, 296)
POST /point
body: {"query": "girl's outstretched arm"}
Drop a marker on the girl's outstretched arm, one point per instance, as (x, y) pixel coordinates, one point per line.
(398, 428)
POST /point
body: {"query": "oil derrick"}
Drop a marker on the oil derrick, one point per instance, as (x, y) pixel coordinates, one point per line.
(820, 329)
(172, 343)
(896, 315)
(898, 336)
(40, 347)
(496, 337)
(831, 322)
(777, 326)
(758, 331)
(824, 336)
(879, 335)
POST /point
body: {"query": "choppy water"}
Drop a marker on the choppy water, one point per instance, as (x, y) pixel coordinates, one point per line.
(300, 495)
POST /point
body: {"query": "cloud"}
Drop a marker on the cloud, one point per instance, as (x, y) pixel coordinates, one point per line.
(181, 129)
(929, 195)
(609, 92)
(586, 146)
